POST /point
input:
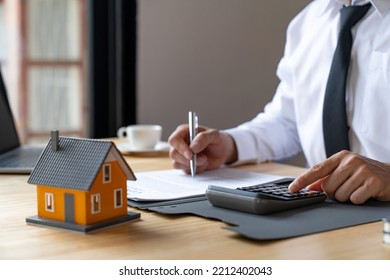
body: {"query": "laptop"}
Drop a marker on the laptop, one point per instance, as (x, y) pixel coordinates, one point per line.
(14, 157)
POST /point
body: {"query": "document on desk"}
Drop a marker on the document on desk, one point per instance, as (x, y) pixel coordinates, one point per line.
(175, 184)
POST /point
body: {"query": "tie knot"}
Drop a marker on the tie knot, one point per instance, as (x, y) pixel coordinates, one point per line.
(350, 15)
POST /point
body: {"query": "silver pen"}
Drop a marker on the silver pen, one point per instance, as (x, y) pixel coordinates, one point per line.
(193, 129)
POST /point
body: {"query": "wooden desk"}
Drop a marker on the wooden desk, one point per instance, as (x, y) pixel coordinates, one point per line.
(157, 236)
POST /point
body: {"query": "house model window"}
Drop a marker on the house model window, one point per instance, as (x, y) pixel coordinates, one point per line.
(95, 199)
(118, 198)
(49, 202)
(107, 173)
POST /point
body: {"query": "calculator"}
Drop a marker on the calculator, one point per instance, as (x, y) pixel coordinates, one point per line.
(263, 198)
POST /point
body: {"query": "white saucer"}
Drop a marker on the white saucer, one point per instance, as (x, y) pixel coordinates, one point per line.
(127, 148)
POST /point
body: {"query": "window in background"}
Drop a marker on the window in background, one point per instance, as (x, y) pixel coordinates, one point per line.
(46, 48)
(46, 66)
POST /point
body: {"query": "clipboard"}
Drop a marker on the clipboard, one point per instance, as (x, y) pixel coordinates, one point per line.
(329, 215)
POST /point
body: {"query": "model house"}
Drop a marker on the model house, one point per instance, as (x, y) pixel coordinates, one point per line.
(81, 184)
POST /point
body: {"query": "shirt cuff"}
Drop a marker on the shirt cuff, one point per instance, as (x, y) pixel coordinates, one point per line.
(245, 144)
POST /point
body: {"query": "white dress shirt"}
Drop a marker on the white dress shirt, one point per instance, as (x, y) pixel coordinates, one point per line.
(292, 121)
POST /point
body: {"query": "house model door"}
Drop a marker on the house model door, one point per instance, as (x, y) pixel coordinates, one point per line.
(69, 208)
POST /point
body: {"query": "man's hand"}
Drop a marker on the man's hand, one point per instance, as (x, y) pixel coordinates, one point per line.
(347, 176)
(213, 148)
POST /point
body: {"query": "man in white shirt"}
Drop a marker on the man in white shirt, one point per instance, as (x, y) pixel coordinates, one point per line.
(292, 122)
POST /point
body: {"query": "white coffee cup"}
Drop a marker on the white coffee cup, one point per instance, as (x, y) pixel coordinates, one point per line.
(141, 136)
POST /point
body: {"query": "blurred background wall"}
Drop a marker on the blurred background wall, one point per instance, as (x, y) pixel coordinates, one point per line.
(216, 57)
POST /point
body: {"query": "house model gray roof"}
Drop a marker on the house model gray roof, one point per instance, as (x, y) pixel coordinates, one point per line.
(74, 163)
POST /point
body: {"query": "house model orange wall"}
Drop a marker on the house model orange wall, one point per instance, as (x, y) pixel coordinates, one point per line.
(106, 199)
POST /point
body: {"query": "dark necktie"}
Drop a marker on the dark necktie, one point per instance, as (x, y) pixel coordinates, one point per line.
(334, 117)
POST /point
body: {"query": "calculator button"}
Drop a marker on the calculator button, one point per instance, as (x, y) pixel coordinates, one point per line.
(267, 191)
(277, 192)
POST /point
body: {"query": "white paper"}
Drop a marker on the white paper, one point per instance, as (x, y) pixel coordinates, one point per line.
(175, 184)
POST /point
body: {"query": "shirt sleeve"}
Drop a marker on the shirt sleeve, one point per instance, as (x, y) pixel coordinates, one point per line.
(272, 134)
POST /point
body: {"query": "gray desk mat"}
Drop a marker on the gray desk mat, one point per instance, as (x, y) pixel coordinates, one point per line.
(306, 220)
